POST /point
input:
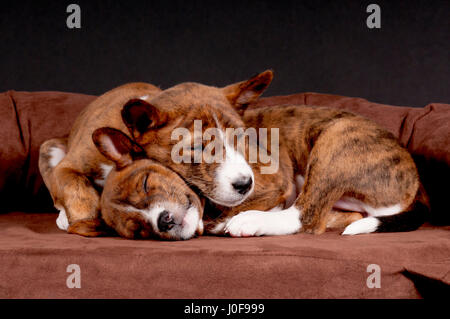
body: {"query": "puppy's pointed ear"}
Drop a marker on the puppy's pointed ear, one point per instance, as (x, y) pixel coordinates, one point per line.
(116, 146)
(140, 116)
(243, 93)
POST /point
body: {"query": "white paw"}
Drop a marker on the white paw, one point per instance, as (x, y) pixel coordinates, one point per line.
(246, 224)
(259, 223)
(362, 226)
(62, 222)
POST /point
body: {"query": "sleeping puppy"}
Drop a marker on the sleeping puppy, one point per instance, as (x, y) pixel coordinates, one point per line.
(143, 199)
(140, 198)
(338, 159)
(75, 169)
(80, 171)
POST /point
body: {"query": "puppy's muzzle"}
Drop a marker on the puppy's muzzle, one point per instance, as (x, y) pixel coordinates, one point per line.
(165, 221)
(243, 185)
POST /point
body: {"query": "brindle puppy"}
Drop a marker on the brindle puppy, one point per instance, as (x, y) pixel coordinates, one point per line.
(80, 170)
(143, 199)
(341, 160)
(140, 198)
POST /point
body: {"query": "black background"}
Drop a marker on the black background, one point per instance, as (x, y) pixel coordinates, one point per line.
(313, 46)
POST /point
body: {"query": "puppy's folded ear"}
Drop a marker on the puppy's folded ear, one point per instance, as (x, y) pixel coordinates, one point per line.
(117, 146)
(140, 116)
(241, 94)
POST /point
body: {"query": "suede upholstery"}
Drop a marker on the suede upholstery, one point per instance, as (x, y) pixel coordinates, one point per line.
(35, 253)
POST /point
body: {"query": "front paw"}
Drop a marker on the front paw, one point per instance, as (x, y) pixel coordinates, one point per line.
(259, 223)
(245, 224)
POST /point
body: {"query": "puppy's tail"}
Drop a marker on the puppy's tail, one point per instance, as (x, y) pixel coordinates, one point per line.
(408, 220)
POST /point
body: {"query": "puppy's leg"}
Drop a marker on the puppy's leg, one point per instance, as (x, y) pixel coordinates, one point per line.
(336, 219)
(268, 223)
(276, 222)
(317, 197)
(80, 200)
(310, 212)
(51, 154)
(314, 203)
(322, 188)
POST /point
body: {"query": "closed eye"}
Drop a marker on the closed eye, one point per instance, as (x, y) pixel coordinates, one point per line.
(189, 204)
(145, 183)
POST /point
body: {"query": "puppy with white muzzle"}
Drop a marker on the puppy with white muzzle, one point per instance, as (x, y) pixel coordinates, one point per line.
(140, 198)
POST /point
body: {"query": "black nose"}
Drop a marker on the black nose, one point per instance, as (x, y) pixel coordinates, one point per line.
(165, 222)
(243, 185)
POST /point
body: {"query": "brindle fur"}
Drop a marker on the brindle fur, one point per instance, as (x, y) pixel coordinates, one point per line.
(125, 188)
(339, 154)
(71, 185)
(177, 107)
(135, 182)
(151, 123)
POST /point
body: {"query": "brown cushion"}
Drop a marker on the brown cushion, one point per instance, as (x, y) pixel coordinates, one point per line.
(295, 266)
(27, 120)
(392, 118)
